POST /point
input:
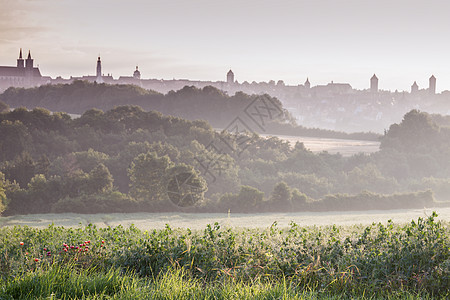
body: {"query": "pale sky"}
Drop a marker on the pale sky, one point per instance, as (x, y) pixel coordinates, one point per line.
(402, 41)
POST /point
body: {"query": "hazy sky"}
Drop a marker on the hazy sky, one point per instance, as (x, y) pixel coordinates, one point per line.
(344, 41)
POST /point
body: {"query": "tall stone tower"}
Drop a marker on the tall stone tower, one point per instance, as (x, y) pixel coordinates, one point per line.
(414, 88)
(20, 61)
(432, 85)
(374, 84)
(230, 77)
(99, 71)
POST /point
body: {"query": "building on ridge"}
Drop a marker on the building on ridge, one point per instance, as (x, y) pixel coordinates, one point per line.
(99, 78)
(432, 85)
(374, 84)
(414, 88)
(137, 74)
(307, 83)
(24, 74)
(230, 77)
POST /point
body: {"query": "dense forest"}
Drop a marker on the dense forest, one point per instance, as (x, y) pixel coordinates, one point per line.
(191, 103)
(126, 160)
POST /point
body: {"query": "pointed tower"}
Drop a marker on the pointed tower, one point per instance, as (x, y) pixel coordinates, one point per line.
(99, 71)
(29, 61)
(432, 85)
(414, 88)
(374, 84)
(230, 77)
(20, 61)
(307, 83)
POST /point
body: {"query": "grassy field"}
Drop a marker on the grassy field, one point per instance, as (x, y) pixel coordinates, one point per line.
(333, 146)
(146, 221)
(384, 260)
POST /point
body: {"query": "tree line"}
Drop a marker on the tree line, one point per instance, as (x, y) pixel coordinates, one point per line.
(127, 159)
(208, 103)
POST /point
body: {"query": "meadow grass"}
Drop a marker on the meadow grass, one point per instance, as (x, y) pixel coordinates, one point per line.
(380, 261)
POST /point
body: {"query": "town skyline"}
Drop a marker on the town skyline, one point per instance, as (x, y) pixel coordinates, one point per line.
(99, 77)
(401, 42)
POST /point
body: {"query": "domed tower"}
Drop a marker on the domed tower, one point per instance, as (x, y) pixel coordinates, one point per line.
(20, 61)
(374, 84)
(137, 74)
(307, 84)
(230, 77)
(432, 85)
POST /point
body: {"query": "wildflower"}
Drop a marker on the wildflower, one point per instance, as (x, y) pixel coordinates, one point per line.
(49, 253)
(103, 242)
(21, 243)
(65, 249)
(72, 247)
(36, 259)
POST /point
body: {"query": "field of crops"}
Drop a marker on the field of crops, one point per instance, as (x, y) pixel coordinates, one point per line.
(380, 260)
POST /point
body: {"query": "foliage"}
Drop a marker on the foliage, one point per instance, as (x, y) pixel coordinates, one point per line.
(137, 153)
(2, 193)
(147, 173)
(377, 261)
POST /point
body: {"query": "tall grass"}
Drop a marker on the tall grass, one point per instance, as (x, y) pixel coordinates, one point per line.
(376, 261)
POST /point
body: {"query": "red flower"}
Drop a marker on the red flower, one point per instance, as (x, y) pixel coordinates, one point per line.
(21, 243)
(36, 259)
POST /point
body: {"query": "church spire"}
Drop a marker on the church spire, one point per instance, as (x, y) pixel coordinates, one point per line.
(29, 61)
(20, 62)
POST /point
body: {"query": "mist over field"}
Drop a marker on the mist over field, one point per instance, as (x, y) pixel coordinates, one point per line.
(151, 221)
(224, 149)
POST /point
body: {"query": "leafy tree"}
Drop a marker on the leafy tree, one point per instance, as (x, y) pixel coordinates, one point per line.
(185, 186)
(298, 199)
(14, 139)
(147, 173)
(281, 196)
(249, 199)
(100, 180)
(3, 107)
(415, 133)
(21, 169)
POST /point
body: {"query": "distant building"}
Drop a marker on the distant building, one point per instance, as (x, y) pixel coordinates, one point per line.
(414, 88)
(307, 84)
(137, 74)
(230, 77)
(374, 84)
(432, 85)
(99, 71)
(23, 75)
